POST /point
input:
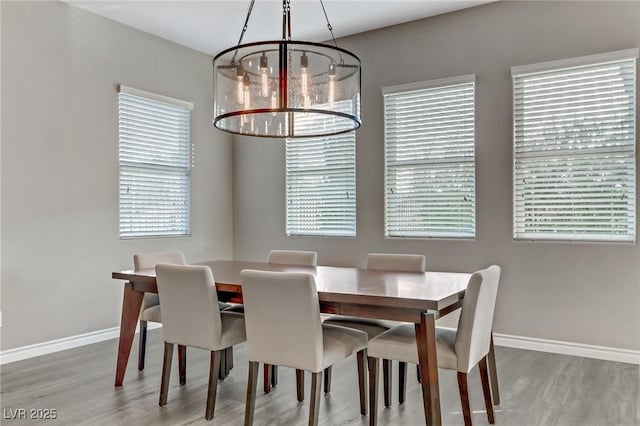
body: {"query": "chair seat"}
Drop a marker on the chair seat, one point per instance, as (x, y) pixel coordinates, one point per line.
(223, 306)
(153, 313)
(399, 343)
(372, 327)
(340, 343)
(234, 308)
(233, 329)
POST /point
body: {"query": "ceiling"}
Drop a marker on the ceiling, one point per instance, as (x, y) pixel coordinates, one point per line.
(213, 25)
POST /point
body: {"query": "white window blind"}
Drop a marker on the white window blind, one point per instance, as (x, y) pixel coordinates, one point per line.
(321, 184)
(574, 149)
(430, 159)
(155, 160)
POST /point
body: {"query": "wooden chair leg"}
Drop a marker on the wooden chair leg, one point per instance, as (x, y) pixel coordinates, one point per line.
(182, 364)
(229, 359)
(252, 387)
(464, 398)
(327, 379)
(274, 375)
(362, 380)
(418, 373)
(486, 390)
(214, 370)
(143, 344)
(266, 380)
(493, 372)
(166, 373)
(402, 382)
(314, 409)
(373, 391)
(387, 379)
(222, 372)
(300, 384)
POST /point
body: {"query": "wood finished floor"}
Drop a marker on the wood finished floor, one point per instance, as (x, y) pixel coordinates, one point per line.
(536, 388)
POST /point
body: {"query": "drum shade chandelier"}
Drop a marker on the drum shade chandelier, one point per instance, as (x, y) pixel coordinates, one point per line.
(286, 88)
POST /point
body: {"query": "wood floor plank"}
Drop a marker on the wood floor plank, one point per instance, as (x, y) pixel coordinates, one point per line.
(537, 389)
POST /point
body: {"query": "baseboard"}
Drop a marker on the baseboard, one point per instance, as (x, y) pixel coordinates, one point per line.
(507, 340)
(567, 348)
(44, 348)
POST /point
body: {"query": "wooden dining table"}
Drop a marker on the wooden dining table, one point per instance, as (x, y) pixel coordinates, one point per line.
(418, 298)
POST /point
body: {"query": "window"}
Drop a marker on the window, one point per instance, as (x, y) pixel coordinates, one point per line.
(155, 160)
(429, 132)
(574, 148)
(321, 185)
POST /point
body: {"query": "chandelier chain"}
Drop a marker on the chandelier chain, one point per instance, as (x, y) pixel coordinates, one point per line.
(289, 19)
(328, 24)
(244, 28)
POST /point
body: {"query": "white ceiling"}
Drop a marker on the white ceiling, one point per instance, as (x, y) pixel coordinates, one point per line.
(213, 25)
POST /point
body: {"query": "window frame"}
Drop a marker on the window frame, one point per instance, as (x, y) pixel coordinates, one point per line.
(559, 65)
(160, 99)
(431, 84)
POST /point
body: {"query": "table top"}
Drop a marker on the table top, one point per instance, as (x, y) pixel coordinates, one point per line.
(425, 290)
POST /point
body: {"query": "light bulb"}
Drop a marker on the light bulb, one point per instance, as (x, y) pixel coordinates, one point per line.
(304, 76)
(240, 84)
(247, 94)
(264, 78)
(240, 91)
(332, 85)
(274, 101)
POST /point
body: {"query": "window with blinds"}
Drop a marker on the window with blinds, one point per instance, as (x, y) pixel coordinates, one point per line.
(321, 184)
(429, 131)
(575, 148)
(155, 160)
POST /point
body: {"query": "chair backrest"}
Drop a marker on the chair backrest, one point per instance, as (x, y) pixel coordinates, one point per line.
(476, 318)
(293, 257)
(396, 262)
(290, 337)
(149, 260)
(189, 304)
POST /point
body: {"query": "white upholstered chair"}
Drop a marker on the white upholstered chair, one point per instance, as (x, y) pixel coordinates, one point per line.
(192, 317)
(293, 257)
(150, 303)
(287, 257)
(396, 262)
(458, 350)
(151, 306)
(381, 262)
(294, 337)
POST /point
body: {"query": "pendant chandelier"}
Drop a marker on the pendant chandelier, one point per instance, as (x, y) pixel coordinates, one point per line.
(286, 88)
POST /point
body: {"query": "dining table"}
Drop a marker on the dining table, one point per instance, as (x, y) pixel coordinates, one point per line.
(413, 297)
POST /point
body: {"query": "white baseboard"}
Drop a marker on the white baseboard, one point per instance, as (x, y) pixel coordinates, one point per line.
(44, 348)
(567, 348)
(507, 340)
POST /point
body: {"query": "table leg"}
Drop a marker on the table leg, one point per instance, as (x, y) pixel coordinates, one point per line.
(131, 304)
(266, 385)
(426, 341)
(493, 373)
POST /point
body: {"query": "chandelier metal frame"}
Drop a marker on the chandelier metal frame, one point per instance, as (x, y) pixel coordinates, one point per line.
(315, 91)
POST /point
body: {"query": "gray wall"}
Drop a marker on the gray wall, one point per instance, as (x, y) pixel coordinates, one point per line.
(579, 292)
(60, 68)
